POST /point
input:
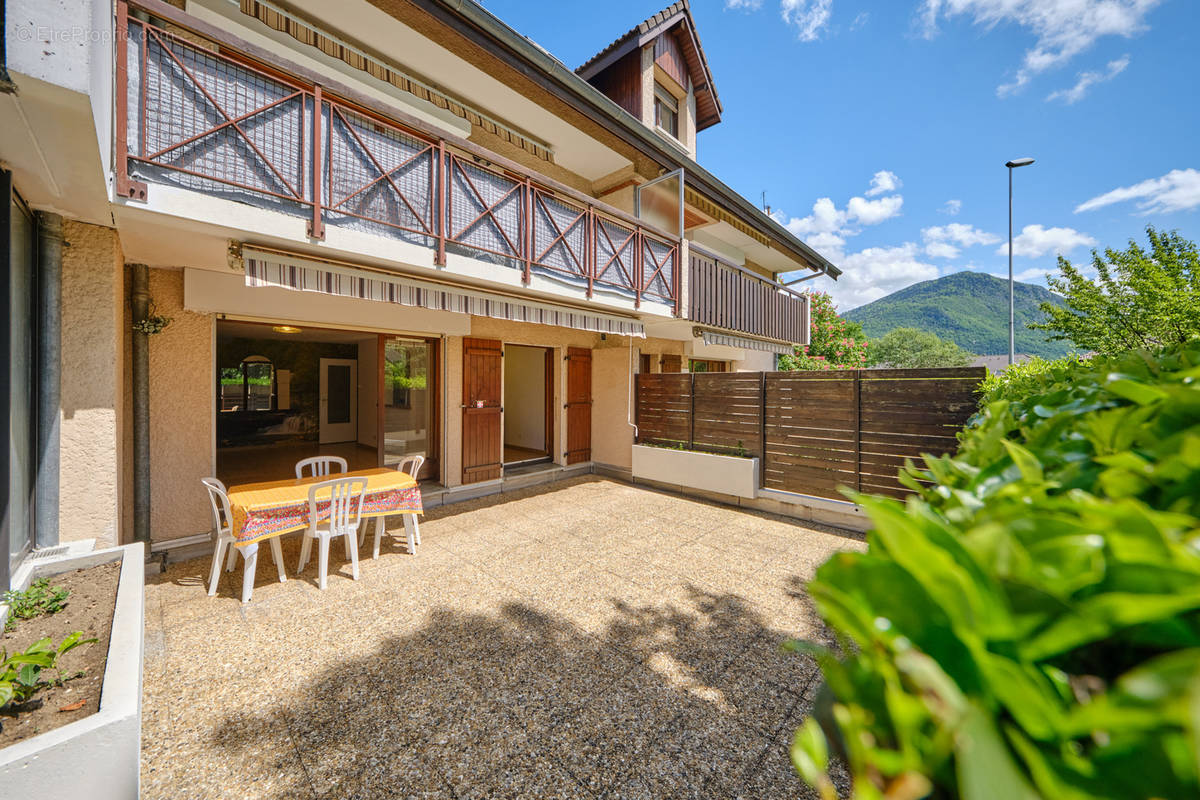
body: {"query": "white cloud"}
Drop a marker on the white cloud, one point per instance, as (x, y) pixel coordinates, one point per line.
(874, 272)
(966, 235)
(951, 207)
(873, 212)
(1035, 241)
(947, 241)
(941, 250)
(1064, 28)
(1089, 79)
(809, 16)
(745, 5)
(862, 19)
(1178, 190)
(883, 182)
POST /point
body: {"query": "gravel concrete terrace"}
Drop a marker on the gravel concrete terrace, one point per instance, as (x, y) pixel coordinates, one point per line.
(583, 639)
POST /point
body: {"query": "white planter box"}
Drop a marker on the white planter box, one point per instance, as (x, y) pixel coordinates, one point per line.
(712, 473)
(96, 757)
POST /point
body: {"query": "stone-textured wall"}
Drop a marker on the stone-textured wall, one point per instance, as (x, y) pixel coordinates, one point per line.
(181, 413)
(90, 490)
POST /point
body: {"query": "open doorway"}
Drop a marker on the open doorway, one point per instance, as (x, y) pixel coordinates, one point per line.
(528, 404)
(286, 393)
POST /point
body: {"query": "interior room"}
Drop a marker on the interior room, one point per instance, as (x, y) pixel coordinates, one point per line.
(285, 393)
(528, 404)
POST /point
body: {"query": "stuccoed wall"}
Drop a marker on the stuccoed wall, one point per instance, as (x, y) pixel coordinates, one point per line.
(182, 397)
(92, 387)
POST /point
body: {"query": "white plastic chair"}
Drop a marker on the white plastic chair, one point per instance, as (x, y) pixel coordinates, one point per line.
(223, 524)
(320, 466)
(411, 465)
(345, 502)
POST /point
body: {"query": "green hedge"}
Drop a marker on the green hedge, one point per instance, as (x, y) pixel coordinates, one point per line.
(1028, 626)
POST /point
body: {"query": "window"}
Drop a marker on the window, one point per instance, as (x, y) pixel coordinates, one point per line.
(666, 110)
(701, 365)
(250, 386)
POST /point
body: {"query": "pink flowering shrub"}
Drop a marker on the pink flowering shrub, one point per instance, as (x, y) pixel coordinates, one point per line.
(834, 343)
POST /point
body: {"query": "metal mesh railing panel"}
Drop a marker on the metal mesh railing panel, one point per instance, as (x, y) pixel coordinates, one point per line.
(559, 235)
(379, 173)
(616, 251)
(217, 120)
(485, 210)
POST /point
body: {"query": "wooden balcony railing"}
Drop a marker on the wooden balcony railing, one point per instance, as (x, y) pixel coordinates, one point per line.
(225, 120)
(727, 296)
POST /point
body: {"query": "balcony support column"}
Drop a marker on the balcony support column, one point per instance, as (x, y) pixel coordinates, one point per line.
(140, 302)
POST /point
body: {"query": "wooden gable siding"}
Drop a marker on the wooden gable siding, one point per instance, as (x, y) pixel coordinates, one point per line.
(669, 56)
(622, 82)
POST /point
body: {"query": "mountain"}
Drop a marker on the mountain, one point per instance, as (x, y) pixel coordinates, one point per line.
(968, 308)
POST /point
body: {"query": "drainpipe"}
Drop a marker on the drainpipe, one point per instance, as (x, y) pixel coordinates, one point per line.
(140, 301)
(49, 380)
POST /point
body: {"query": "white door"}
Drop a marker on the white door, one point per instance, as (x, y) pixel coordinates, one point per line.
(339, 400)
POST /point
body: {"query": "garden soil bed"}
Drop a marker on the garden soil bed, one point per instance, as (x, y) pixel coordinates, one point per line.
(89, 609)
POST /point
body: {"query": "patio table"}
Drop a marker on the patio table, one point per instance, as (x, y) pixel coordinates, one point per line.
(272, 508)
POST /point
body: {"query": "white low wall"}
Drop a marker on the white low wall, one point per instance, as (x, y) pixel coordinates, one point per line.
(96, 757)
(728, 475)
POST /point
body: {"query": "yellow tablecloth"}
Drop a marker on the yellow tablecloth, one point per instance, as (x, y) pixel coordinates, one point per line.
(273, 508)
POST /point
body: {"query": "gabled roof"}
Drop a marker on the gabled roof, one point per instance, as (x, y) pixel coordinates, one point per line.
(708, 104)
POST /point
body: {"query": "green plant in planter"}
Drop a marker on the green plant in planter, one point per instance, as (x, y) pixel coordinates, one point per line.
(1029, 624)
(21, 673)
(40, 598)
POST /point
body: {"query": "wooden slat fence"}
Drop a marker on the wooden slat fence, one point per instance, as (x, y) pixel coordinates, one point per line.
(814, 431)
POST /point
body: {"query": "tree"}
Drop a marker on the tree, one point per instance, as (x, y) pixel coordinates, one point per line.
(1138, 300)
(913, 348)
(834, 343)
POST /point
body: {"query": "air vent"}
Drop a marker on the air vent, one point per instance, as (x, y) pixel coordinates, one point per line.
(49, 552)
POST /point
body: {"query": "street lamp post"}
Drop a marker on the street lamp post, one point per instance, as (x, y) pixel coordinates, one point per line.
(1012, 334)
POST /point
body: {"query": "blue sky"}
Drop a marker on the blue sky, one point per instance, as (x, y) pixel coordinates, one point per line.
(879, 128)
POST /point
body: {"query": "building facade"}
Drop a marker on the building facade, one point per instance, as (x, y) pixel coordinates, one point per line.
(243, 233)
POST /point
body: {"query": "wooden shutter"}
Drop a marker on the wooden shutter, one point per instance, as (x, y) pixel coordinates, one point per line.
(579, 405)
(672, 363)
(482, 368)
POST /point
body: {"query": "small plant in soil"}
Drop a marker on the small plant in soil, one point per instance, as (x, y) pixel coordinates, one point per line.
(40, 598)
(21, 673)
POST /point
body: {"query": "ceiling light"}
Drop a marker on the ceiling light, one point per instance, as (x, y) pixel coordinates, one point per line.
(285, 329)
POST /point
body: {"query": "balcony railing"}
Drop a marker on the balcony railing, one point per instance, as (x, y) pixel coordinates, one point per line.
(727, 296)
(220, 122)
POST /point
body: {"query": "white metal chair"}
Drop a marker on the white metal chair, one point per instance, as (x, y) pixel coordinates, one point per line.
(226, 549)
(411, 465)
(345, 502)
(320, 466)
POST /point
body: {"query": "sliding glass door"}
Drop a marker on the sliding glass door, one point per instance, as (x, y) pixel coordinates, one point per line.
(20, 276)
(410, 398)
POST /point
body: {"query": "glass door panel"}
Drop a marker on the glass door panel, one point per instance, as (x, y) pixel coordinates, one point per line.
(409, 399)
(21, 320)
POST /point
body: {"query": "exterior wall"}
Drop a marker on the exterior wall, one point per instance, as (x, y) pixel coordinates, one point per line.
(614, 360)
(181, 413)
(754, 361)
(687, 125)
(647, 115)
(90, 489)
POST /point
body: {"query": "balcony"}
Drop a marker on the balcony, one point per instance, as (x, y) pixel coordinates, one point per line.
(217, 121)
(727, 296)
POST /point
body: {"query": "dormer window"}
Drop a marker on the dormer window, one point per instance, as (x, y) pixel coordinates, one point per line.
(666, 110)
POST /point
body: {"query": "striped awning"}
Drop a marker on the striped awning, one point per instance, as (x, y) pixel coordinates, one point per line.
(266, 268)
(716, 337)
